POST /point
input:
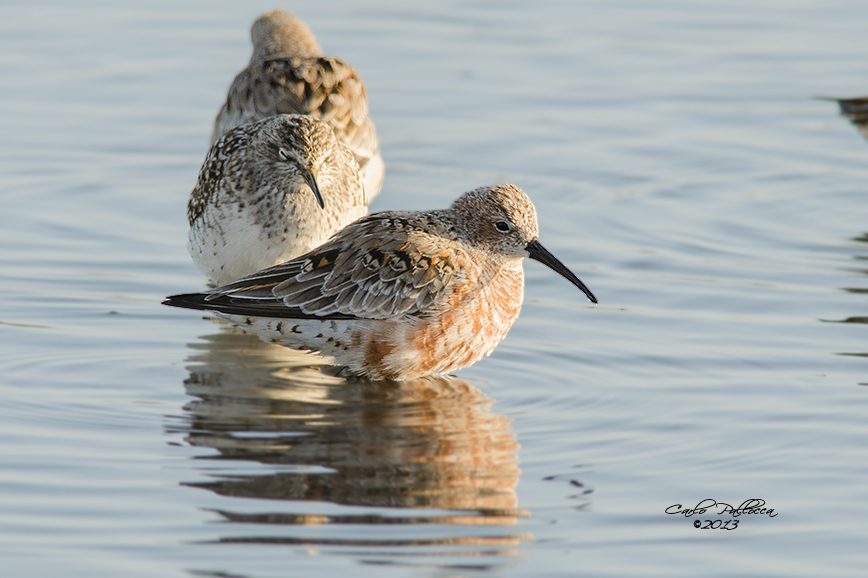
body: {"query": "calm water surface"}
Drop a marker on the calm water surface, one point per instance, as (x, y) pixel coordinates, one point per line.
(679, 165)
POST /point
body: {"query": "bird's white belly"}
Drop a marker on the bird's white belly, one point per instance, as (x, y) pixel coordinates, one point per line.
(227, 244)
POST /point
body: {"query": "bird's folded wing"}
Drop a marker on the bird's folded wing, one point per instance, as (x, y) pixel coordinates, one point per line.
(365, 272)
(324, 87)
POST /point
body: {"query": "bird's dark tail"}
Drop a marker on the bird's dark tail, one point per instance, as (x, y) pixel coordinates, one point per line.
(274, 308)
(190, 301)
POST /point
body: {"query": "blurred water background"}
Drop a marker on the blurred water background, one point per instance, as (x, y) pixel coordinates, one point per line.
(679, 166)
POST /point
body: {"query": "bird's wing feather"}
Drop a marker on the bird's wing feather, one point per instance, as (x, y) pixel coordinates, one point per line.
(218, 162)
(331, 90)
(376, 268)
(322, 86)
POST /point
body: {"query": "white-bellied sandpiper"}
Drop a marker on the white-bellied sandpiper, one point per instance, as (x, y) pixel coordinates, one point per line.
(270, 191)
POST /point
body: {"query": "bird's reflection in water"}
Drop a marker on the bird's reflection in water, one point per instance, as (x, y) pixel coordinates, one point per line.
(859, 290)
(327, 442)
(858, 319)
(856, 290)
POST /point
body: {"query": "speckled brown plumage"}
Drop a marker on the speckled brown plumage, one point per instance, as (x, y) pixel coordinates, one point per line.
(255, 203)
(288, 74)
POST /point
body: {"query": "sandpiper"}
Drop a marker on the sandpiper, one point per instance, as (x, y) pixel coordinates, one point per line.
(289, 74)
(856, 110)
(398, 295)
(270, 191)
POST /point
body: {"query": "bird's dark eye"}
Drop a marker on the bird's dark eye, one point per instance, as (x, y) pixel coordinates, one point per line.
(502, 226)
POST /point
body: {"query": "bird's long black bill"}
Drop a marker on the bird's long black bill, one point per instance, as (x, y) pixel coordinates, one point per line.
(541, 254)
(310, 179)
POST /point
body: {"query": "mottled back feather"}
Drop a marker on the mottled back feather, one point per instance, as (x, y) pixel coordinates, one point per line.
(291, 76)
(386, 265)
